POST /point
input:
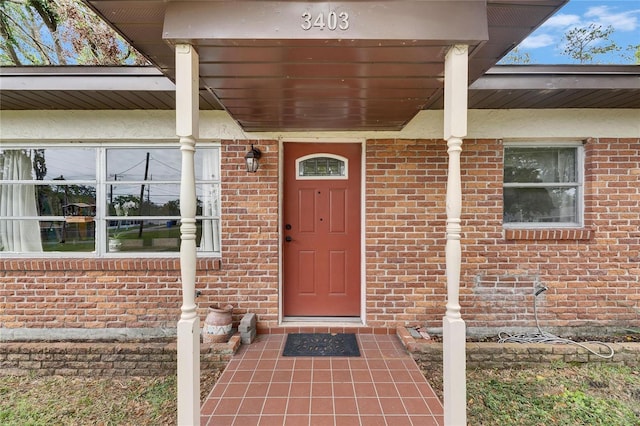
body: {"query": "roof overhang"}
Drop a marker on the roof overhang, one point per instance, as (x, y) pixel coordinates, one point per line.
(258, 63)
(344, 65)
(501, 87)
(90, 88)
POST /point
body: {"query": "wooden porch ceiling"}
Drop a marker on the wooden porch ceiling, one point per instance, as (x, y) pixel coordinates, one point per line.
(270, 74)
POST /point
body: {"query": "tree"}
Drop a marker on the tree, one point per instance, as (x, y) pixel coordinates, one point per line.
(517, 56)
(631, 54)
(59, 32)
(171, 208)
(584, 43)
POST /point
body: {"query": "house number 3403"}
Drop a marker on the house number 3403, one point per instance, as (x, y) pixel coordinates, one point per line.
(331, 21)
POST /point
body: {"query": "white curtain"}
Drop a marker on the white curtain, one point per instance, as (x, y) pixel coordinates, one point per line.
(566, 165)
(18, 200)
(210, 239)
(565, 202)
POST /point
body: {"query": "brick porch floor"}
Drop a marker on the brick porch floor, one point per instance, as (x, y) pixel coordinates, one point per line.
(381, 387)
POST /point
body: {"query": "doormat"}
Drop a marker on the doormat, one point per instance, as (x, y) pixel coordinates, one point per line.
(321, 344)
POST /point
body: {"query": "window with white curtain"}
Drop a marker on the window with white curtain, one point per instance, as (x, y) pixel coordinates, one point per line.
(543, 185)
(104, 199)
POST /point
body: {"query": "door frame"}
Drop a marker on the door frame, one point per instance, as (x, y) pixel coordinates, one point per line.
(282, 320)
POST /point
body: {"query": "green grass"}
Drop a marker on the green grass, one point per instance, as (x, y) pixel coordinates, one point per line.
(156, 396)
(79, 246)
(82, 400)
(591, 394)
(553, 394)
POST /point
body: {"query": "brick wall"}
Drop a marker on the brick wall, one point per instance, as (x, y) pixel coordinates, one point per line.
(72, 293)
(592, 274)
(146, 293)
(145, 358)
(248, 278)
(405, 225)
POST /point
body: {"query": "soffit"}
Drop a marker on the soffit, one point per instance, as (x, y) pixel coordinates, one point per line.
(501, 87)
(558, 86)
(90, 88)
(376, 80)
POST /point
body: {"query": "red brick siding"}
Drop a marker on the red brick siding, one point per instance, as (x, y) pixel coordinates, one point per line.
(405, 223)
(592, 274)
(72, 293)
(116, 293)
(249, 275)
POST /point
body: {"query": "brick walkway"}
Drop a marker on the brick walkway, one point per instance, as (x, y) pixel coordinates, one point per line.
(382, 387)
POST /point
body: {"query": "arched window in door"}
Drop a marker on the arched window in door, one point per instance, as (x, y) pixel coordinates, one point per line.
(322, 166)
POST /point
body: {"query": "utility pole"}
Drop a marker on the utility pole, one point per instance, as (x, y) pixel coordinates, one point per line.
(146, 173)
(115, 178)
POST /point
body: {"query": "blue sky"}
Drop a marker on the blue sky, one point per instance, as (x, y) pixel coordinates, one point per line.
(544, 45)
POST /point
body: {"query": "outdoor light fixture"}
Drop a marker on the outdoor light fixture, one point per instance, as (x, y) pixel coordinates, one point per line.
(252, 159)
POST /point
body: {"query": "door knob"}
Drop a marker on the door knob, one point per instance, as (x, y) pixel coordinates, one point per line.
(288, 238)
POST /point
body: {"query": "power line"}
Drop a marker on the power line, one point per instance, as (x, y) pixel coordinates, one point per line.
(130, 168)
(166, 165)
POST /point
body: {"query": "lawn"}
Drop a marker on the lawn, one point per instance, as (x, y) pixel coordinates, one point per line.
(57, 400)
(554, 394)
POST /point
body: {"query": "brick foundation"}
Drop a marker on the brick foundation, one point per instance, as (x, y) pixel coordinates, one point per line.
(148, 358)
(519, 355)
(145, 358)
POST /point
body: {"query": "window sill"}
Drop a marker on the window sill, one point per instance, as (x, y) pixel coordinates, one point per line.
(557, 234)
(104, 264)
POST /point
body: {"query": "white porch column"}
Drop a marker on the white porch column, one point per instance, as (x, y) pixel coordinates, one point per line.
(454, 335)
(187, 110)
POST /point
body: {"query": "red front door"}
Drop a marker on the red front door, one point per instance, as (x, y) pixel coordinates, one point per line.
(321, 229)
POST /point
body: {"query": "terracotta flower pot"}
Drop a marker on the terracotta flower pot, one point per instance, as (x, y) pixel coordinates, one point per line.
(217, 324)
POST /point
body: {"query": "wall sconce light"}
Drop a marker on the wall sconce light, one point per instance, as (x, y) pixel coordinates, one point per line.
(252, 159)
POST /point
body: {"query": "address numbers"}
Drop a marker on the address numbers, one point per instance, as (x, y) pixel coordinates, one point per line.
(331, 21)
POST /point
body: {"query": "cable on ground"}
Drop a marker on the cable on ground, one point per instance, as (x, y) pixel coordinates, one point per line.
(544, 337)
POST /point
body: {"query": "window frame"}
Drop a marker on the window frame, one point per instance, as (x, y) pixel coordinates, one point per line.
(102, 183)
(318, 155)
(579, 184)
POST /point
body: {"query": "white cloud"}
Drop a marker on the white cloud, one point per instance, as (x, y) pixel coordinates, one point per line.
(624, 21)
(537, 41)
(561, 21)
(545, 44)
